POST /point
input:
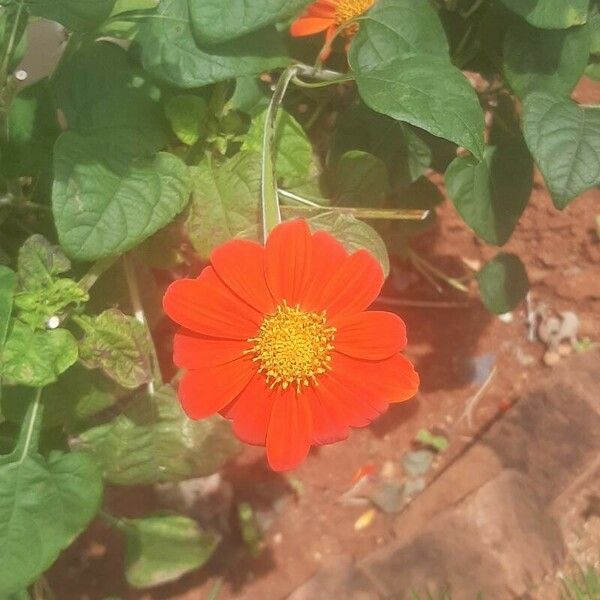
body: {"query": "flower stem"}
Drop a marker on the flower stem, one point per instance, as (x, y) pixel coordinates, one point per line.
(140, 315)
(424, 266)
(271, 215)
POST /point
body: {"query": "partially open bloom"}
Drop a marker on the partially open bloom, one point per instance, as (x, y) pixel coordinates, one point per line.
(276, 339)
(328, 15)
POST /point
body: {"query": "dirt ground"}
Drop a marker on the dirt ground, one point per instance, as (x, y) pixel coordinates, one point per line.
(306, 524)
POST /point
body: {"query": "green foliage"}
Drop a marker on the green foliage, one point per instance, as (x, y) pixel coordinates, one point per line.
(118, 345)
(503, 283)
(155, 441)
(105, 203)
(583, 585)
(492, 194)
(36, 358)
(44, 504)
(170, 52)
(550, 14)
(215, 21)
(161, 548)
(156, 147)
(564, 139)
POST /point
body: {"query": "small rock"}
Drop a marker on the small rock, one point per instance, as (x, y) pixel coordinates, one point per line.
(564, 349)
(507, 318)
(551, 358)
(417, 463)
(389, 497)
(414, 487)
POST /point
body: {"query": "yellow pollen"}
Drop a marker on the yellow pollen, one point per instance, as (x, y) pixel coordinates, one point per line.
(349, 9)
(293, 347)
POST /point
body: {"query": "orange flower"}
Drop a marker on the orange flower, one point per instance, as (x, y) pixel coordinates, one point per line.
(328, 15)
(276, 339)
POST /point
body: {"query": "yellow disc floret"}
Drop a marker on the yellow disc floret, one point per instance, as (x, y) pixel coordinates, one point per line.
(293, 346)
(349, 9)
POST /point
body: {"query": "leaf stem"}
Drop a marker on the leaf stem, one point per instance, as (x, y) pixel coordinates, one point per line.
(424, 266)
(396, 214)
(271, 215)
(95, 272)
(140, 315)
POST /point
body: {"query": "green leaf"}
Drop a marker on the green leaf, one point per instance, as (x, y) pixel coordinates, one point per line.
(44, 505)
(169, 52)
(215, 21)
(427, 92)
(491, 195)
(188, 116)
(545, 60)
(122, 6)
(32, 131)
(42, 294)
(76, 15)
(103, 94)
(360, 179)
(161, 548)
(155, 441)
(354, 235)
(398, 29)
(8, 285)
(7, 22)
(550, 14)
(36, 358)
(77, 395)
(250, 96)
(405, 154)
(564, 139)
(295, 163)
(118, 345)
(105, 204)
(40, 262)
(503, 283)
(225, 201)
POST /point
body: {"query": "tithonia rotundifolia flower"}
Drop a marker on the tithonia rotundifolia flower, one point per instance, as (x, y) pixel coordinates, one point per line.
(328, 16)
(276, 338)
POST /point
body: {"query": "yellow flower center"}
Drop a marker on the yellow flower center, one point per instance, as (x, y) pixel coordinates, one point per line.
(293, 346)
(349, 9)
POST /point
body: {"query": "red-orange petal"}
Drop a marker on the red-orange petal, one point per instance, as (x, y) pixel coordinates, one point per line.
(194, 351)
(392, 380)
(251, 411)
(288, 261)
(290, 431)
(351, 392)
(240, 264)
(206, 391)
(372, 335)
(206, 305)
(328, 256)
(329, 422)
(309, 25)
(322, 8)
(354, 286)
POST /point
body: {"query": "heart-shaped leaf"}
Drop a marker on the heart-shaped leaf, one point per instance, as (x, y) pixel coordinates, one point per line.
(215, 21)
(427, 92)
(564, 139)
(44, 504)
(104, 204)
(545, 60)
(169, 51)
(550, 14)
(492, 194)
(162, 548)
